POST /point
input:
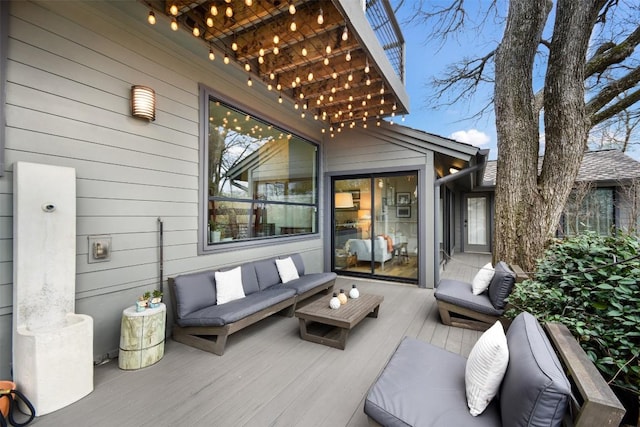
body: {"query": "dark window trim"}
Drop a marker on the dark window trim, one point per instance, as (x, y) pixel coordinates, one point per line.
(203, 247)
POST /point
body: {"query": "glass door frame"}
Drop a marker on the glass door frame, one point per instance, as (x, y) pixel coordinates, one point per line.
(376, 208)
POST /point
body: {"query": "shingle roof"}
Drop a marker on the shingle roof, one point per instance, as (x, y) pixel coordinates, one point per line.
(603, 165)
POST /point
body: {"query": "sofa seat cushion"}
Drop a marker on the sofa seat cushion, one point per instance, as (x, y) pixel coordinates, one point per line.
(220, 315)
(423, 385)
(459, 293)
(535, 391)
(307, 282)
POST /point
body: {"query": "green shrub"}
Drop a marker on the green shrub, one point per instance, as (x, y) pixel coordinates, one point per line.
(591, 284)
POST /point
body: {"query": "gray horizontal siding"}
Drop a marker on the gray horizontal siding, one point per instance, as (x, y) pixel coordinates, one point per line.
(69, 71)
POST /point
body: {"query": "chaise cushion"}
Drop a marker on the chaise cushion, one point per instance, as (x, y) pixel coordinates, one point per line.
(194, 291)
(220, 315)
(535, 391)
(423, 385)
(501, 285)
(458, 293)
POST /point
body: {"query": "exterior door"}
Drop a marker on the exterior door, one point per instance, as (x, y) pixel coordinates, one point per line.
(476, 224)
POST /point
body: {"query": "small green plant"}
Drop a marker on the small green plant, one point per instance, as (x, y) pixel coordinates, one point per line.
(157, 293)
(591, 284)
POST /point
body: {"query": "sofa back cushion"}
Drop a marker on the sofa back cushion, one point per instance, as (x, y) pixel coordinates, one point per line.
(501, 285)
(267, 273)
(535, 391)
(194, 291)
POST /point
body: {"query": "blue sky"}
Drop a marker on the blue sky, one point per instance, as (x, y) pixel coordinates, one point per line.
(426, 60)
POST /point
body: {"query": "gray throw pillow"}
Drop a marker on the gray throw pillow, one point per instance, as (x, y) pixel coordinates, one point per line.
(501, 285)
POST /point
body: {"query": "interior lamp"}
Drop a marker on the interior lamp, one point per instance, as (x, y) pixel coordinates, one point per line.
(344, 200)
(143, 102)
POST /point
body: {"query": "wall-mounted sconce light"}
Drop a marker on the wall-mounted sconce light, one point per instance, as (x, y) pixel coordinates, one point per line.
(143, 102)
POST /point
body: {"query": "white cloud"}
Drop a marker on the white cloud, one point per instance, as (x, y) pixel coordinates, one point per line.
(471, 136)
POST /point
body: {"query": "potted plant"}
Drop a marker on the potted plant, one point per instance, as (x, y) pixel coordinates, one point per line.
(143, 301)
(214, 231)
(156, 298)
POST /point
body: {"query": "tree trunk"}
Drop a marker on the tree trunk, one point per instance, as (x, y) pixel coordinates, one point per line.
(528, 205)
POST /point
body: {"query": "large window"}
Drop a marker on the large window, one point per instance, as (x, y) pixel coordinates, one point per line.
(589, 210)
(262, 179)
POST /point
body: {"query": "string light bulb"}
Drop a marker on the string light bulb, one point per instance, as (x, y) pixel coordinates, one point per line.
(209, 21)
(247, 67)
(151, 19)
(248, 2)
(229, 12)
(214, 10)
(366, 67)
(328, 50)
(320, 17)
(226, 59)
(212, 56)
(292, 8)
(293, 26)
(173, 10)
(368, 81)
(234, 46)
(276, 50)
(326, 61)
(196, 31)
(345, 34)
(348, 57)
(276, 39)
(249, 82)
(174, 24)
(304, 51)
(310, 76)
(279, 99)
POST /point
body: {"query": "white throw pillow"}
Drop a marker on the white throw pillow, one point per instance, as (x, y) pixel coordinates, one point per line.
(485, 368)
(287, 269)
(229, 285)
(482, 279)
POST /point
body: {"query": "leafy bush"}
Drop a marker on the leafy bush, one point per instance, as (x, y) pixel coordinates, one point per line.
(591, 284)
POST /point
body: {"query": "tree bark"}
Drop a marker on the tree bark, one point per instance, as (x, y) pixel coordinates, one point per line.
(529, 203)
(517, 126)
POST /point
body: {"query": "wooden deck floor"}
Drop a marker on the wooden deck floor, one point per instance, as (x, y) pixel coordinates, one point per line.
(268, 376)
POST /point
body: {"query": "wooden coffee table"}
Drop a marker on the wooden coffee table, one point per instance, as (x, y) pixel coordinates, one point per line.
(323, 325)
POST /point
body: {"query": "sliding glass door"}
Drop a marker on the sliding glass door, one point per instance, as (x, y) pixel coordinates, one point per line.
(375, 226)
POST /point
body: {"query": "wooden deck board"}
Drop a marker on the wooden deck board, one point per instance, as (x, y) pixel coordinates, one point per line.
(268, 376)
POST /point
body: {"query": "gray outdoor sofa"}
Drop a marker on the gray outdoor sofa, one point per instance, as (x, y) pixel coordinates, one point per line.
(202, 323)
(424, 385)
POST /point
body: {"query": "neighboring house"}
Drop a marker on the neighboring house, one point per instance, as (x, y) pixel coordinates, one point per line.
(606, 195)
(66, 71)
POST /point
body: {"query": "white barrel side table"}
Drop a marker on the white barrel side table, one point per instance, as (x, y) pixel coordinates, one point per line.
(142, 337)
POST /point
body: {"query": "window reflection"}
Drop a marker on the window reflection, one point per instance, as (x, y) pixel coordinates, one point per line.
(262, 179)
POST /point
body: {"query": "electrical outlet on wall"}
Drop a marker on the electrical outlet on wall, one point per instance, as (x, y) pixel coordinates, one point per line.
(99, 249)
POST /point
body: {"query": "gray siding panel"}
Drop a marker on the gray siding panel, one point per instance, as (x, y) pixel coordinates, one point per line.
(69, 71)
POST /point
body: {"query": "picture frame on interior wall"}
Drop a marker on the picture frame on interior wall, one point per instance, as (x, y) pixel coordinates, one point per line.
(403, 212)
(403, 199)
